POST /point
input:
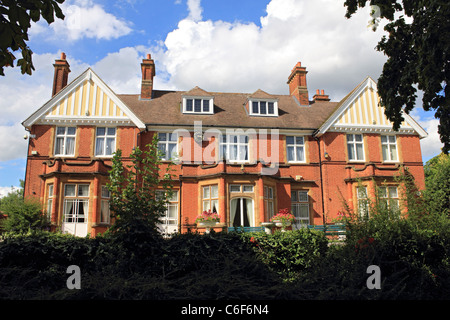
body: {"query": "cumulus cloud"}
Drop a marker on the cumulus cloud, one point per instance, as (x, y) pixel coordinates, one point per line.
(85, 19)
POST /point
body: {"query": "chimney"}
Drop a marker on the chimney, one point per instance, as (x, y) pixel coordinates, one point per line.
(321, 96)
(61, 76)
(297, 84)
(148, 72)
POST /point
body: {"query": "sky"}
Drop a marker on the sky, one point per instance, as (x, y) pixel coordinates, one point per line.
(228, 46)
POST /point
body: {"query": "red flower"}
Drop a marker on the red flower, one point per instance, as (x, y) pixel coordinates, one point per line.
(252, 239)
(370, 240)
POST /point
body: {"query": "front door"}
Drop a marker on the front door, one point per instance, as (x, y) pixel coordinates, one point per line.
(241, 212)
(76, 209)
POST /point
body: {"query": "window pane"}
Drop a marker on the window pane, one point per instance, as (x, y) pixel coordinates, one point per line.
(61, 131)
(101, 131)
(384, 139)
(99, 146)
(206, 193)
(293, 196)
(349, 137)
(206, 205)
(235, 188)
(289, 140)
(299, 140)
(393, 192)
(271, 109)
(110, 146)
(197, 105)
(69, 190)
(358, 138)
(172, 150)
(248, 188)
(162, 149)
(392, 139)
(382, 192)
(359, 151)
(111, 131)
(300, 155)
(384, 150)
(303, 196)
(215, 206)
(104, 212)
(173, 137)
(351, 151)
(50, 190)
(393, 152)
(290, 154)
(83, 190)
(71, 131)
(205, 105)
(215, 191)
(262, 106)
(162, 137)
(70, 146)
(59, 146)
(255, 107)
(189, 105)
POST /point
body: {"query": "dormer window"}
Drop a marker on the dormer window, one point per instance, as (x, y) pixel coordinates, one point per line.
(266, 108)
(198, 105)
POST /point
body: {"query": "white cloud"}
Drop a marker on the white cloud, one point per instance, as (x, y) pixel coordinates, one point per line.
(195, 10)
(4, 191)
(223, 56)
(85, 19)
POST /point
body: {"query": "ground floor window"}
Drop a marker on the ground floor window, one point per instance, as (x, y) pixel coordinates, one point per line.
(388, 197)
(241, 212)
(169, 221)
(363, 201)
(268, 202)
(49, 201)
(300, 207)
(76, 203)
(210, 198)
(104, 208)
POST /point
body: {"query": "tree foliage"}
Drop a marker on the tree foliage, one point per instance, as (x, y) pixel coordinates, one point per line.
(437, 180)
(15, 20)
(418, 49)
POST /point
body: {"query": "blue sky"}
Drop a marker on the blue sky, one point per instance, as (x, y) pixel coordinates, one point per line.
(232, 46)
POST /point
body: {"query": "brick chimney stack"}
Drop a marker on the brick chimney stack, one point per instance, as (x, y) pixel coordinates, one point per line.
(148, 72)
(297, 84)
(61, 76)
(321, 96)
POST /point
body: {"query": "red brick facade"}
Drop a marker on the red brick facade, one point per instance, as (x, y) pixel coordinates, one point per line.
(324, 172)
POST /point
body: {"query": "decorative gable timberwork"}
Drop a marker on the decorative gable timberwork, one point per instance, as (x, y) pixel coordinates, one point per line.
(360, 111)
(87, 100)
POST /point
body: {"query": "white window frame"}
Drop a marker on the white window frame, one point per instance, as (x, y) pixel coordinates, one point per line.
(295, 145)
(166, 143)
(104, 205)
(208, 199)
(105, 138)
(76, 199)
(261, 103)
(389, 198)
(65, 138)
(353, 156)
(171, 203)
(269, 208)
(209, 100)
(229, 143)
(300, 199)
(242, 188)
(362, 199)
(50, 195)
(389, 145)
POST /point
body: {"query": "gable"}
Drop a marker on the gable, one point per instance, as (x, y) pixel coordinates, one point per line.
(360, 111)
(87, 100)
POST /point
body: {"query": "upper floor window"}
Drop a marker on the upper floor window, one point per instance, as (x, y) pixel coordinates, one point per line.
(105, 141)
(234, 148)
(198, 105)
(65, 141)
(355, 147)
(263, 108)
(167, 145)
(295, 147)
(389, 148)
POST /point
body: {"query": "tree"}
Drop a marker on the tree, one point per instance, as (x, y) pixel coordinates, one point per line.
(22, 214)
(437, 181)
(418, 52)
(136, 201)
(15, 20)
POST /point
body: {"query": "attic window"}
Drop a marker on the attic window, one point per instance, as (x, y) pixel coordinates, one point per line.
(198, 105)
(267, 108)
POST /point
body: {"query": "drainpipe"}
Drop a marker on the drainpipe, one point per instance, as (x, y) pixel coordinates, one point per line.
(321, 180)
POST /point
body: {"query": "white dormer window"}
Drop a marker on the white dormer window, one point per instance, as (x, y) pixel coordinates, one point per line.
(266, 108)
(198, 105)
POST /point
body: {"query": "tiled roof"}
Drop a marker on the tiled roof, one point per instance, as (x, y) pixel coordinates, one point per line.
(229, 111)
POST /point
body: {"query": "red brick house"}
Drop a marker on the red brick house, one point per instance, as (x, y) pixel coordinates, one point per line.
(244, 155)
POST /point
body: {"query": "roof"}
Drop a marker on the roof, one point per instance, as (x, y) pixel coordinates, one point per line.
(229, 111)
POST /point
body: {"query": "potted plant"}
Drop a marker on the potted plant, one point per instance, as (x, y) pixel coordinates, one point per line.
(283, 219)
(208, 219)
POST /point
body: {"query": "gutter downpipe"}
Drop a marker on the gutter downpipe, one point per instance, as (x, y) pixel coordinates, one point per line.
(321, 179)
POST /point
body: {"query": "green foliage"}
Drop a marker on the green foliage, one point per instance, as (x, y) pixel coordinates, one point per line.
(135, 202)
(15, 20)
(417, 54)
(437, 181)
(23, 215)
(288, 253)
